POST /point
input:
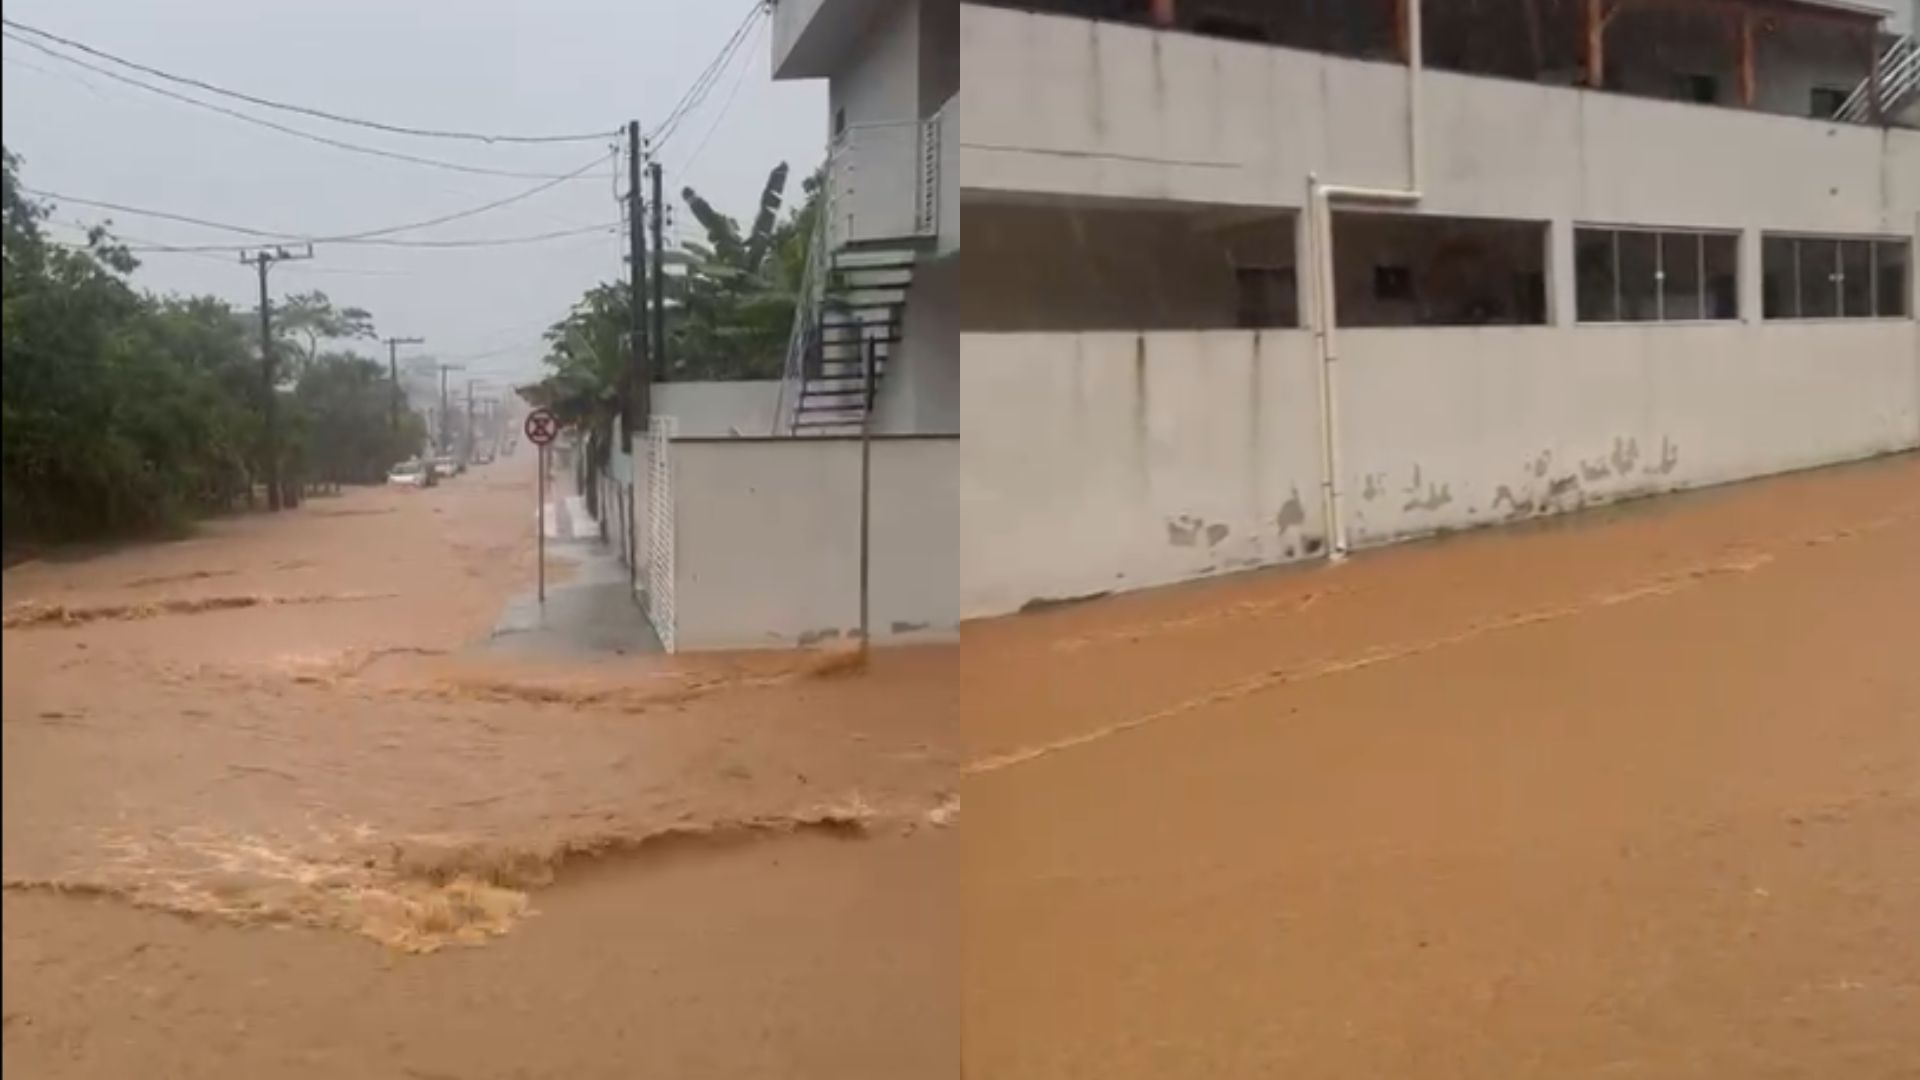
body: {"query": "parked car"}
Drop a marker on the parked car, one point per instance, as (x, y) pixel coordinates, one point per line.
(445, 467)
(411, 473)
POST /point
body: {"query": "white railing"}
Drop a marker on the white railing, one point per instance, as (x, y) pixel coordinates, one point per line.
(883, 182)
(1899, 79)
(886, 181)
(806, 314)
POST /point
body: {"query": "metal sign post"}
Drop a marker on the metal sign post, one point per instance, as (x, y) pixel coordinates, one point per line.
(866, 487)
(541, 427)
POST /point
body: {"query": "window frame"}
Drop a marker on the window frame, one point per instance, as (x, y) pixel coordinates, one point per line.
(1660, 233)
(1837, 274)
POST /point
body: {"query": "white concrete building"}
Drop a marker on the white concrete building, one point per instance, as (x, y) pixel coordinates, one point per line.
(745, 501)
(885, 277)
(1251, 281)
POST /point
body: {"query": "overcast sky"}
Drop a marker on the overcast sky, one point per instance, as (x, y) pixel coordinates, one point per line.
(519, 67)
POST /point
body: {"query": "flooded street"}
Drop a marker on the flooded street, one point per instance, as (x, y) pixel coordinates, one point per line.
(1631, 793)
(276, 806)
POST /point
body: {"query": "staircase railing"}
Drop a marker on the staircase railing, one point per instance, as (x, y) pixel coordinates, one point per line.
(1899, 79)
(806, 311)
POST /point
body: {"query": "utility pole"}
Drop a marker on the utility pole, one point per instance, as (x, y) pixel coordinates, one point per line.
(263, 259)
(639, 403)
(446, 417)
(393, 372)
(659, 275)
(466, 453)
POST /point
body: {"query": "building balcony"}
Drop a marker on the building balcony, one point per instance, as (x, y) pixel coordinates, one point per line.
(811, 37)
(897, 181)
(1060, 106)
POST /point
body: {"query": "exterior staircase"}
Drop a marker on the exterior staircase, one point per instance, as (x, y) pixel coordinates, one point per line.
(1899, 87)
(861, 310)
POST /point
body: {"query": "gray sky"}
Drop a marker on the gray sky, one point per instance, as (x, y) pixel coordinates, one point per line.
(523, 67)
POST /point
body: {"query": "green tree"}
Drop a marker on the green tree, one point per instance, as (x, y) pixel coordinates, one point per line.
(304, 322)
(122, 412)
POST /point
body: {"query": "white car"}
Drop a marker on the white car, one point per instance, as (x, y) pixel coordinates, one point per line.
(411, 474)
(445, 467)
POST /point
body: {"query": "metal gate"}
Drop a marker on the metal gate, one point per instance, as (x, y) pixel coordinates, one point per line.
(659, 528)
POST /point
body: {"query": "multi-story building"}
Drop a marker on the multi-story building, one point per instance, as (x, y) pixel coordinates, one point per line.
(827, 506)
(1252, 281)
(884, 284)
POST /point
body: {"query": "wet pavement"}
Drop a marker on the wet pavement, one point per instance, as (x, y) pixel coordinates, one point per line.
(1634, 793)
(594, 611)
(273, 807)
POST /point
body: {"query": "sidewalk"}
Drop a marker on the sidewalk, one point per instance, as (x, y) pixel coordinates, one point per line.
(594, 612)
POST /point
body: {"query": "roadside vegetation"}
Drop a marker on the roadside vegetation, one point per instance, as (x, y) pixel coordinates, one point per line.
(729, 312)
(129, 413)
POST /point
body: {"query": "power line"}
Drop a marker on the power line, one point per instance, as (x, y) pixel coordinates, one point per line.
(269, 103)
(365, 236)
(607, 227)
(356, 148)
(739, 78)
(704, 82)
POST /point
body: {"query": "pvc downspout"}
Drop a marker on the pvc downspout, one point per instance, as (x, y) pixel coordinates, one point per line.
(1320, 241)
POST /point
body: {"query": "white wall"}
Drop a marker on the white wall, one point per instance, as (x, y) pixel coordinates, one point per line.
(715, 409)
(1063, 105)
(1111, 461)
(921, 392)
(766, 535)
(1451, 428)
(1115, 461)
(879, 82)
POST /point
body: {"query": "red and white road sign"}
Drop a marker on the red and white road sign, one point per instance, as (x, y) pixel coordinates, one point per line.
(542, 427)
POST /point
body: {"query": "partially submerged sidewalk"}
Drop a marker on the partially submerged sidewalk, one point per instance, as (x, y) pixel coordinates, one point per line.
(591, 606)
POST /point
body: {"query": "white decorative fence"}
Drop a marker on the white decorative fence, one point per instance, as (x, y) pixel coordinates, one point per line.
(659, 529)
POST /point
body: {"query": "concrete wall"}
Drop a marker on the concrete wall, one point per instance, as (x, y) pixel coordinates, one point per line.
(879, 80)
(1111, 461)
(1114, 461)
(719, 409)
(1072, 106)
(766, 535)
(1451, 428)
(921, 392)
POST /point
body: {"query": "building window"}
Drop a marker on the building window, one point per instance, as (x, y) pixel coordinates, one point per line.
(1704, 89)
(1092, 264)
(1824, 277)
(1644, 275)
(1425, 270)
(1824, 102)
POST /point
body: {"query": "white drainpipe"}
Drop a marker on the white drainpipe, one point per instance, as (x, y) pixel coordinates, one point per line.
(1320, 250)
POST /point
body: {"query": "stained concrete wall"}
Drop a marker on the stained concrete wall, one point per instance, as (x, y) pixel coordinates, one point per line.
(766, 537)
(1452, 428)
(717, 409)
(1102, 462)
(1114, 461)
(1073, 106)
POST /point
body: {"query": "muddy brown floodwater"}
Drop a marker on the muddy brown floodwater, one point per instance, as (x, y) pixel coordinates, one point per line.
(269, 812)
(1629, 794)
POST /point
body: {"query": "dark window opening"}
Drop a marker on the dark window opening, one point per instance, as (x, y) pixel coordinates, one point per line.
(1105, 265)
(1824, 102)
(1392, 283)
(1421, 270)
(839, 122)
(1703, 89)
